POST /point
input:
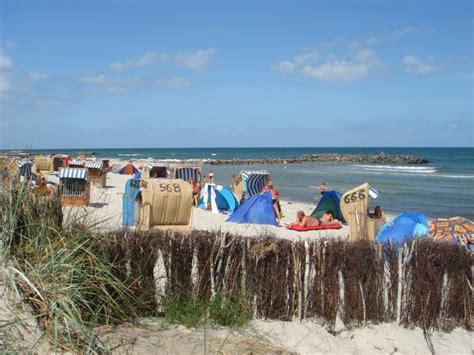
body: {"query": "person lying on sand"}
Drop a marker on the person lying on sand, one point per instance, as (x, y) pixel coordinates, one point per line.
(307, 221)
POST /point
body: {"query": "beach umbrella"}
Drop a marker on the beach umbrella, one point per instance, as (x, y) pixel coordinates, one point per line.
(456, 230)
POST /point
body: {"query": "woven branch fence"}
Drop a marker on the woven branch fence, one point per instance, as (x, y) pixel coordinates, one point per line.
(424, 283)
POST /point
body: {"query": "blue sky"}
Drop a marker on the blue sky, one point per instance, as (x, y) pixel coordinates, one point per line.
(101, 74)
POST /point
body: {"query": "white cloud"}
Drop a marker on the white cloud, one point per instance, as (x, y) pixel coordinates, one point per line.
(94, 79)
(47, 103)
(337, 70)
(145, 60)
(104, 83)
(175, 82)
(285, 67)
(418, 66)
(198, 60)
(5, 84)
(360, 66)
(5, 61)
(402, 32)
(34, 75)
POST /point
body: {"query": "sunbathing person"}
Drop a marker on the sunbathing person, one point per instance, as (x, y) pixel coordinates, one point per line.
(307, 221)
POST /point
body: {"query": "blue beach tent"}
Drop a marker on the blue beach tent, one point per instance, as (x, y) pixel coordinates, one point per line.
(129, 201)
(406, 226)
(258, 209)
(220, 197)
(330, 201)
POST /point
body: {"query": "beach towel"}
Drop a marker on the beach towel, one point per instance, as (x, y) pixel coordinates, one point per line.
(297, 227)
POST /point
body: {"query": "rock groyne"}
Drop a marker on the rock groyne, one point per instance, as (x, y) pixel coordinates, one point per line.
(320, 158)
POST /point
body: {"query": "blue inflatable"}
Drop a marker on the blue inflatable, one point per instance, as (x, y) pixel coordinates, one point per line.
(406, 226)
(258, 209)
(225, 199)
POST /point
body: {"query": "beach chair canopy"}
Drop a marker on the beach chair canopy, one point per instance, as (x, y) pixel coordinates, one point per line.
(330, 201)
(24, 168)
(94, 165)
(158, 170)
(165, 202)
(455, 230)
(76, 163)
(219, 197)
(73, 173)
(43, 163)
(255, 181)
(128, 169)
(406, 226)
(256, 210)
(186, 173)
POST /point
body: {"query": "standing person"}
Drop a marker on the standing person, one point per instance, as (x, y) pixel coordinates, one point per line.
(275, 198)
(285, 164)
(210, 178)
(195, 188)
(322, 188)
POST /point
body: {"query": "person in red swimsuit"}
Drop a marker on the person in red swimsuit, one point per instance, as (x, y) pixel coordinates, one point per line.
(275, 198)
(196, 189)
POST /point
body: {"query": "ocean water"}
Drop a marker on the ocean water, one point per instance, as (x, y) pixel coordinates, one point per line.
(442, 188)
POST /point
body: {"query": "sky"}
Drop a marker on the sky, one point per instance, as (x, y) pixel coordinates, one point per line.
(112, 74)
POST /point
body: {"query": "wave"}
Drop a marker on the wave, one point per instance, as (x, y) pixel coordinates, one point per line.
(130, 155)
(185, 160)
(398, 168)
(424, 174)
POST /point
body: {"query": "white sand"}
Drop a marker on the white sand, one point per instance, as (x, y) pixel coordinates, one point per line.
(106, 209)
(273, 337)
(260, 336)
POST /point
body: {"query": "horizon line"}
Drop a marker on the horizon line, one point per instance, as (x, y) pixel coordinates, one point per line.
(246, 147)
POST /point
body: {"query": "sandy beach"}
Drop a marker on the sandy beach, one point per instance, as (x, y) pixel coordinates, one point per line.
(105, 209)
(259, 336)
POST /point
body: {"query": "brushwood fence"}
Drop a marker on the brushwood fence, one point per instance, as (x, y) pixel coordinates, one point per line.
(424, 283)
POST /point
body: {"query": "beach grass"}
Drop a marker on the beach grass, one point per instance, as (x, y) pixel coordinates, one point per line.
(64, 275)
(233, 311)
(73, 278)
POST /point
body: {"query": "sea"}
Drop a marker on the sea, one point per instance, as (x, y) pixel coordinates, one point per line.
(442, 188)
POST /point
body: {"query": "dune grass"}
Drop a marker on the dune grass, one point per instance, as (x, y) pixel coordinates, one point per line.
(64, 275)
(232, 311)
(74, 278)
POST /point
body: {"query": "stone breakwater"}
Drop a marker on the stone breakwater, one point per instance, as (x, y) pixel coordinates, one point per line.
(320, 158)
